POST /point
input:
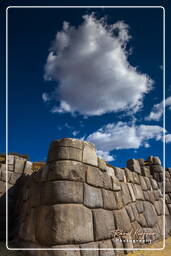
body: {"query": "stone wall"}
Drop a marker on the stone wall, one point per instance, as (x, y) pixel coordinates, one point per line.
(17, 167)
(77, 200)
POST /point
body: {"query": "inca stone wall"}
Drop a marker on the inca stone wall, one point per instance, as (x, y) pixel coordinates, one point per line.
(78, 201)
(17, 167)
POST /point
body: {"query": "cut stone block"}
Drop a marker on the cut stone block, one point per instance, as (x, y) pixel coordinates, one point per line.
(19, 165)
(130, 187)
(116, 184)
(110, 171)
(92, 197)
(136, 178)
(125, 194)
(65, 224)
(150, 214)
(134, 165)
(122, 220)
(93, 245)
(143, 183)
(140, 206)
(89, 154)
(129, 175)
(119, 200)
(106, 244)
(61, 192)
(130, 213)
(67, 170)
(103, 224)
(120, 174)
(138, 192)
(146, 171)
(98, 178)
(11, 159)
(109, 201)
(64, 153)
(14, 177)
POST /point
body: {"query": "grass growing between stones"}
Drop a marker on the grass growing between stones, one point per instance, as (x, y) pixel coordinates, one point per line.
(164, 252)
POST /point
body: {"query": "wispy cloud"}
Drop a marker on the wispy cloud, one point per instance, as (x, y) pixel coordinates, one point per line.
(90, 63)
(105, 155)
(157, 110)
(123, 136)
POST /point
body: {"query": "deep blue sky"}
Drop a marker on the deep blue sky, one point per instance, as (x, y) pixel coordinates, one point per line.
(31, 31)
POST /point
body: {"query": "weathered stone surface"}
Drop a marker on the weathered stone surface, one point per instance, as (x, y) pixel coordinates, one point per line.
(143, 183)
(93, 245)
(109, 201)
(98, 178)
(3, 175)
(110, 171)
(140, 206)
(115, 184)
(19, 164)
(157, 194)
(64, 252)
(151, 196)
(117, 243)
(142, 220)
(27, 228)
(136, 178)
(106, 244)
(134, 165)
(102, 164)
(147, 180)
(156, 168)
(68, 142)
(28, 167)
(119, 200)
(2, 187)
(64, 224)
(141, 161)
(168, 187)
(154, 184)
(89, 154)
(67, 170)
(138, 192)
(103, 224)
(130, 187)
(122, 220)
(159, 207)
(130, 212)
(125, 194)
(92, 197)
(35, 194)
(146, 171)
(11, 167)
(61, 192)
(135, 212)
(150, 214)
(64, 153)
(14, 177)
(11, 159)
(129, 175)
(119, 173)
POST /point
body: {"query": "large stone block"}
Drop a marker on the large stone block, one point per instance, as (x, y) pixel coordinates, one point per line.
(11, 159)
(136, 178)
(143, 183)
(64, 153)
(92, 197)
(103, 224)
(129, 175)
(67, 170)
(131, 191)
(138, 192)
(110, 171)
(106, 244)
(89, 154)
(156, 168)
(115, 184)
(154, 184)
(14, 177)
(68, 142)
(146, 171)
(148, 183)
(150, 214)
(119, 199)
(65, 224)
(98, 178)
(109, 201)
(61, 192)
(122, 220)
(130, 212)
(19, 164)
(93, 245)
(120, 173)
(134, 165)
(125, 194)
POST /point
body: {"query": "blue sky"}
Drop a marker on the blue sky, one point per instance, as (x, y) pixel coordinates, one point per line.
(89, 78)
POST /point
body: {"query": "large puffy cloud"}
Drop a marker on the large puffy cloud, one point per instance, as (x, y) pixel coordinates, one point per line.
(124, 136)
(90, 65)
(105, 155)
(157, 110)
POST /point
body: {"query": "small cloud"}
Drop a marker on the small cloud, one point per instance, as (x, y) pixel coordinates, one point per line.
(168, 138)
(75, 133)
(123, 136)
(45, 97)
(105, 155)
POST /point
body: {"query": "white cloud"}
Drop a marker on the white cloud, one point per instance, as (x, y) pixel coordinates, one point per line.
(124, 136)
(75, 133)
(45, 97)
(90, 65)
(157, 110)
(105, 155)
(168, 138)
